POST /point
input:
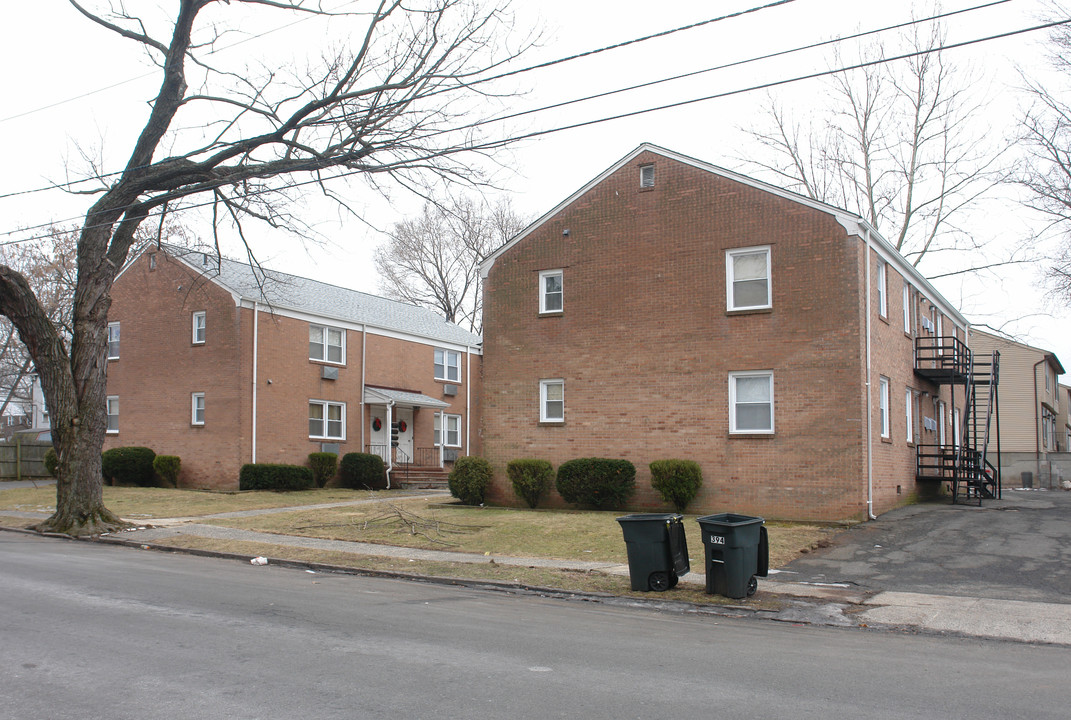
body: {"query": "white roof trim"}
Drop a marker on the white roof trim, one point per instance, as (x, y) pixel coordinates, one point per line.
(852, 223)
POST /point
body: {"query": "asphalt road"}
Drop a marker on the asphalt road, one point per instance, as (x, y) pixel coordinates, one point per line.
(95, 631)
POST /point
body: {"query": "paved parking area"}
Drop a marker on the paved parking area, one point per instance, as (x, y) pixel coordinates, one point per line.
(1016, 548)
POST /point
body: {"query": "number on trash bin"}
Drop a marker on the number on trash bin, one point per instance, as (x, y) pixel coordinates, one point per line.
(717, 540)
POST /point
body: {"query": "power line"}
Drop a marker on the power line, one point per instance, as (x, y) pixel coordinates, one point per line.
(480, 81)
(572, 126)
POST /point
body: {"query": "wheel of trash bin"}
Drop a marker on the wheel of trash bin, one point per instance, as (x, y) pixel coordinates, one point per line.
(752, 586)
(659, 581)
(673, 579)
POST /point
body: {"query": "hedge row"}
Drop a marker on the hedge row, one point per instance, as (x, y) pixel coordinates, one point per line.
(601, 483)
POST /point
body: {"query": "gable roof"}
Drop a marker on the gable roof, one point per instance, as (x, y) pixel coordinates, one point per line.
(290, 294)
(852, 223)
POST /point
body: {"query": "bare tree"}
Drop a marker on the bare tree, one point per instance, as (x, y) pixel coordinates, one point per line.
(49, 267)
(1045, 170)
(434, 260)
(902, 144)
(389, 103)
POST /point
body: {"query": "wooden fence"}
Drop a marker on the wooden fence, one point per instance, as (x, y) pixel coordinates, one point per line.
(23, 459)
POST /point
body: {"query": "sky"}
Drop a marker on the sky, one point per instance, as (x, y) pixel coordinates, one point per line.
(75, 94)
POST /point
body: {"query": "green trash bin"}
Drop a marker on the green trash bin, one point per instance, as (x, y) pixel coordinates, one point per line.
(657, 549)
(736, 551)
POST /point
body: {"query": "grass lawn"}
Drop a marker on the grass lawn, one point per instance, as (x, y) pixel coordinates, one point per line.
(134, 503)
(441, 524)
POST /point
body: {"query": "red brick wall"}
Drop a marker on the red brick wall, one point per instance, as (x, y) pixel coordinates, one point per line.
(159, 368)
(645, 346)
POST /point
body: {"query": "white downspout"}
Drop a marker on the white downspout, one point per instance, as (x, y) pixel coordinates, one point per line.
(869, 399)
(364, 344)
(468, 398)
(390, 447)
(256, 337)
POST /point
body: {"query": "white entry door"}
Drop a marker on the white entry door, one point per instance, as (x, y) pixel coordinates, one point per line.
(405, 434)
(379, 439)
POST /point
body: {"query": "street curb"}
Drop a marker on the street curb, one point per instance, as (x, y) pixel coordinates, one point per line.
(678, 606)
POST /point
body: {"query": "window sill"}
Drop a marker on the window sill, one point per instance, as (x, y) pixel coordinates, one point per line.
(551, 423)
(750, 311)
(551, 313)
(113, 359)
(327, 439)
(314, 361)
(111, 432)
(649, 188)
(887, 440)
(883, 318)
(753, 435)
(197, 344)
(447, 382)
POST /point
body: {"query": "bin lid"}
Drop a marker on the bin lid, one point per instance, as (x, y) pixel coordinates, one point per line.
(649, 517)
(729, 519)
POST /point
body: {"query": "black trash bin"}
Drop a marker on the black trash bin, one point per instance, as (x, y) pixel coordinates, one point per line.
(737, 550)
(657, 549)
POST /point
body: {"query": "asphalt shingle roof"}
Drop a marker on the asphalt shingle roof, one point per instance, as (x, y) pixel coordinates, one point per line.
(290, 292)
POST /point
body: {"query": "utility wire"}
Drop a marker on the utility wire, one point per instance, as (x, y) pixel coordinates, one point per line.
(480, 81)
(572, 126)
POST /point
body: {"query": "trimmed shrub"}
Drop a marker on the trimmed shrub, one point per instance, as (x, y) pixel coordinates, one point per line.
(602, 483)
(531, 479)
(167, 467)
(129, 466)
(677, 481)
(51, 461)
(324, 465)
(271, 476)
(469, 479)
(362, 471)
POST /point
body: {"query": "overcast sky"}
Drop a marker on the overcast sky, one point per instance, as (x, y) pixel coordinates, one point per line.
(73, 91)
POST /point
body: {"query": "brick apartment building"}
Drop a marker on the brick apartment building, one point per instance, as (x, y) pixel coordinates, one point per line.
(673, 309)
(223, 364)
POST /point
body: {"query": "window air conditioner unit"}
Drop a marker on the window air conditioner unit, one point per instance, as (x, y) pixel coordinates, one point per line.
(329, 447)
(449, 389)
(330, 373)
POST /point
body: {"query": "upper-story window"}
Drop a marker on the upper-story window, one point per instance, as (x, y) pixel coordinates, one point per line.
(197, 408)
(327, 344)
(751, 402)
(883, 407)
(199, 320)
(447, 365)
(883, 287)
(747, 278)
(551, 297)
(113, 341)
(646, 176)
(1048, 381)
(907, 308)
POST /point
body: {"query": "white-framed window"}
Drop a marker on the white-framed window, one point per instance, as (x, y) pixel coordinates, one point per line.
(883, 406)
(327, 344)
(909, 406)
(1048, 382)
(113, 414)
(552, 400)
(453, 429)
(751, 402)
(327, 420)
(447, 365)
(551, 292)
(197, 408)
(199, 320)
(747, 278)
(883, 295)
(907, 308)
(646, 176)
(113, 341)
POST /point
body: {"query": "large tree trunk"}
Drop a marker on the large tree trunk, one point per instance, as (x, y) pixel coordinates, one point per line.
(79, 492)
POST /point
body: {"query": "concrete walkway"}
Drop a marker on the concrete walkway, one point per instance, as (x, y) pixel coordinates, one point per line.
(817, 600)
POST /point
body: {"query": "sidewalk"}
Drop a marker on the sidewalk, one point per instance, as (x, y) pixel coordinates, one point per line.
(822, 603)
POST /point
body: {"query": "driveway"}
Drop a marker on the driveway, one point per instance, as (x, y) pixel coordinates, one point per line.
(1016, 548)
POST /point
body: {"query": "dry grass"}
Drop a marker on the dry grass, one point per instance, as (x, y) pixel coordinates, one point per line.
(443, 525)
(565, 580)
(134, 503)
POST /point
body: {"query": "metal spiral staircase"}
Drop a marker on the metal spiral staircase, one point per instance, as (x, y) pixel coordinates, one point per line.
(964, 463)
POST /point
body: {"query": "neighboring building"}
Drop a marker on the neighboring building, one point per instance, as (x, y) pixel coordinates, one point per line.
(673, 309)
(1063, 421)
(1033, 439)
(224, 365)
